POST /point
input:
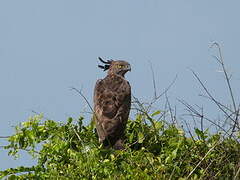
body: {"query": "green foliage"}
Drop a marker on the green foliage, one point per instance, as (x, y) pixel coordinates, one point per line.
(154, 150)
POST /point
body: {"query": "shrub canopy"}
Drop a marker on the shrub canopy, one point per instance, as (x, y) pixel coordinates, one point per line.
(154, 150)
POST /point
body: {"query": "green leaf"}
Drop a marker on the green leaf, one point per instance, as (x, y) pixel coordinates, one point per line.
(155, 113)
(174, 153)
(70, 119)
(200, 134)
(158, 125)
(21, 142)
(140, 137)
(131, 137)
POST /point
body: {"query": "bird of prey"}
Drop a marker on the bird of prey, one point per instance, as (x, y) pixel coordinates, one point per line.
(112, 102)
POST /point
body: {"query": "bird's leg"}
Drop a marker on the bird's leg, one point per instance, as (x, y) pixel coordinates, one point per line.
(118, 145)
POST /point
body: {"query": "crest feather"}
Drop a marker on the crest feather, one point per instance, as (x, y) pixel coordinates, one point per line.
(107, 64)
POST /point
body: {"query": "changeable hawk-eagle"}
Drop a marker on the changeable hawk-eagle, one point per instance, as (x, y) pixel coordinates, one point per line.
(112, 102)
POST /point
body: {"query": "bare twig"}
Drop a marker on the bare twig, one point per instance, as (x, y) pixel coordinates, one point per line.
(154, 82)
(238, 172)
(170, 109)
(220, 60)
(165, 91)
(81, 94)
(199, 115)
(37, 113)
(4, 137)
(219, 103)
(208, 93)
(188, 130)
(210, 150)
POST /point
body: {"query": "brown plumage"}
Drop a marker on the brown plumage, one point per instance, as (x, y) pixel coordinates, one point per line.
(112, 102)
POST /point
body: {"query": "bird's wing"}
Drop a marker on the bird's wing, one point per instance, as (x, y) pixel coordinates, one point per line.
(112, 101)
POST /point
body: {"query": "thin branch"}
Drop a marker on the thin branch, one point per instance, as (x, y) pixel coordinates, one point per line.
(199, 115)
(167, 89)
(208, 93)
(224, 106)
(238, 172)
(210, 150)
(81, 94)
(188, 130)
(4, 137)
(170, 109)
(37, 113)
(154, 82)
(226, 76)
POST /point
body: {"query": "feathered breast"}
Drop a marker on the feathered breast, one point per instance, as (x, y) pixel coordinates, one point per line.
(110, 94)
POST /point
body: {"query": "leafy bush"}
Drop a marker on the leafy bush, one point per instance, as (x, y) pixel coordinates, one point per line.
(154, 150)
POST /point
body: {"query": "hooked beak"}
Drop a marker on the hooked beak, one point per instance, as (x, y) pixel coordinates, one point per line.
(128, 67)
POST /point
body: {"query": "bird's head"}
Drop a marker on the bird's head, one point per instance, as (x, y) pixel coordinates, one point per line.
(115, 66)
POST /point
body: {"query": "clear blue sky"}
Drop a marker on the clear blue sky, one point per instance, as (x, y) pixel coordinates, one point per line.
(48, 46)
